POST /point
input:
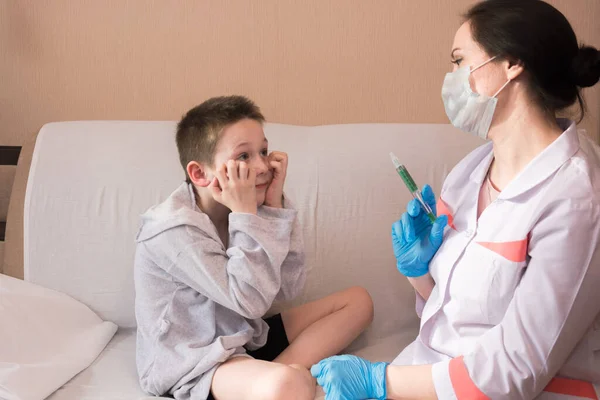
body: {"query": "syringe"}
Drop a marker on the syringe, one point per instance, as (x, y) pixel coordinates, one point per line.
(412, 186)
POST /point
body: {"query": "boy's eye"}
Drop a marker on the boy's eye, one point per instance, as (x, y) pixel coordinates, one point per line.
(243, 157)
(264, 152)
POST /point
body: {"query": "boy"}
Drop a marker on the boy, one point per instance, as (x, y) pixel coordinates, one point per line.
(212, 259)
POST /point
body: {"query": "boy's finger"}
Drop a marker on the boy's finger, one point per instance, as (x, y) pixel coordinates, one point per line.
(243, 171)
(232, 170)
(215, 188)
(221, 175)
(277, 155)
(251, 175)
(284, 158)
(275, 165)
(281, 157)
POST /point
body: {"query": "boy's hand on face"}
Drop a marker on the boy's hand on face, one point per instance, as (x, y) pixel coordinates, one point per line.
(234, 187)
(278, 162)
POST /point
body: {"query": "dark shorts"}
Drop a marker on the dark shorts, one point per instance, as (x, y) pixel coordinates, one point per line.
(277, 342)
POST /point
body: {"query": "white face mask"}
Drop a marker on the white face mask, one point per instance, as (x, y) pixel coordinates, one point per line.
(469, 111)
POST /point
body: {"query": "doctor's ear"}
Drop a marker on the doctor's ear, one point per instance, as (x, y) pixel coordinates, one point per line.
(514, 68)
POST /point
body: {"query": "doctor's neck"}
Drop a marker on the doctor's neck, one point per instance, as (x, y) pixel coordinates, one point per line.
(519, 133)
(548, 67)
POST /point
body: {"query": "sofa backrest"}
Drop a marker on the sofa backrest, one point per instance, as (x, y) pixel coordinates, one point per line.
(90, 181)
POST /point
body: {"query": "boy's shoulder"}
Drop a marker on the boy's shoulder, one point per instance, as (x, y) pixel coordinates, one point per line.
(178, 209)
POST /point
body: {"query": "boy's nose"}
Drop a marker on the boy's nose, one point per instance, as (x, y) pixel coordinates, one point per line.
(261, 165)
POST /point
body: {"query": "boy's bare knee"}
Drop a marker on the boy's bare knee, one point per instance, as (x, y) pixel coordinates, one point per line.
(360, 299)
(284, 383)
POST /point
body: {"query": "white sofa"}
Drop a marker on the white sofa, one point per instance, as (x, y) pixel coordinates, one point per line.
(90, 181)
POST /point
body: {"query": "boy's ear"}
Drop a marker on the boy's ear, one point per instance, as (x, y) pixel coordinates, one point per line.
(198, 174)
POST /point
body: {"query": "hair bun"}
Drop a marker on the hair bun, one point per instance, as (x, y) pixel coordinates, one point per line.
(586, 67)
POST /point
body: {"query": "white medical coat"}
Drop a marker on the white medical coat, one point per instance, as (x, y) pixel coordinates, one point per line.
(516, 306)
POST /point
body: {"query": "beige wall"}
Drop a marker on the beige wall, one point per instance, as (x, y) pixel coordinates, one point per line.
(304, 61)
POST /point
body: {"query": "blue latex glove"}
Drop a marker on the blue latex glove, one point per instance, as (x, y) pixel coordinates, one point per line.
(351, 378)
(415, 238)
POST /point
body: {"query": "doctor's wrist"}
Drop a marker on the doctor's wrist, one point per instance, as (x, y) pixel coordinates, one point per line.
(379, 380)
(412, 270)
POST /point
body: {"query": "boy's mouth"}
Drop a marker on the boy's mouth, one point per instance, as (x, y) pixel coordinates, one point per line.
(262, 186)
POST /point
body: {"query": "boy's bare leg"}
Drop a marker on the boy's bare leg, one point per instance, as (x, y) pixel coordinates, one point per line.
(244, 378)
(325, 327)
(315, 330)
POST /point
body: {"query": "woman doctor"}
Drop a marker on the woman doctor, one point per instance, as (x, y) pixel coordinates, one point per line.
(510, 302)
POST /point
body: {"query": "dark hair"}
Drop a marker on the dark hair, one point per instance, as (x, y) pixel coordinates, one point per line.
(198, 131)
(538, 35)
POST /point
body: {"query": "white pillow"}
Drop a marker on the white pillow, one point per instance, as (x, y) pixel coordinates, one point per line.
(46, 338)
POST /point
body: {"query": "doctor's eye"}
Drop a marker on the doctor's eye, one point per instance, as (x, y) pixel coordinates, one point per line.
(457, 61)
